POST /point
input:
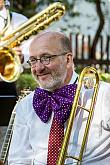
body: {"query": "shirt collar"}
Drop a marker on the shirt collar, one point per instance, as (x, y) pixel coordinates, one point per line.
(74, 77)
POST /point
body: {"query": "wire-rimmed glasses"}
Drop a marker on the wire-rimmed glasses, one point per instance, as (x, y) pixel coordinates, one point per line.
(45, 60)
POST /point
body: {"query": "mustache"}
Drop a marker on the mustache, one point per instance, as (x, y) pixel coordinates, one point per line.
(43, 72)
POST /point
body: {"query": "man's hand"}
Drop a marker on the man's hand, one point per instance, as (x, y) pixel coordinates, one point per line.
(19, 53)
(1, 163)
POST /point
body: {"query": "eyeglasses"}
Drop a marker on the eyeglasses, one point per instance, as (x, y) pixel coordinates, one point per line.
(45, 60)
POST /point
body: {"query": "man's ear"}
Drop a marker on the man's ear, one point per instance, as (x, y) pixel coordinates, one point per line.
(69, 59)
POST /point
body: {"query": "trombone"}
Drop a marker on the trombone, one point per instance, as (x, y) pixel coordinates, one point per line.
(89, 83)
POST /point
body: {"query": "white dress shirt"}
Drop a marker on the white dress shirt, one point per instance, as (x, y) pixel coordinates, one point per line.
(29, 145)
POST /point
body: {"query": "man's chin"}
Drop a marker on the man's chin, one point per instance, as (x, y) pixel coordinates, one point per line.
(44, 82)
(47, 85)
(50, 85)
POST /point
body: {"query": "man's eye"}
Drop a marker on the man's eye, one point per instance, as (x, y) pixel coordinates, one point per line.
(45, 58)
(32, 60)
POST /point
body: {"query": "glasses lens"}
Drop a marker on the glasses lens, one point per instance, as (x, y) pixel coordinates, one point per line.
(45, 60)
(31, 62)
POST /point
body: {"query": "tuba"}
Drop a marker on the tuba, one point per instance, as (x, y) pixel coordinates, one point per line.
(89, 79)
(10, 64)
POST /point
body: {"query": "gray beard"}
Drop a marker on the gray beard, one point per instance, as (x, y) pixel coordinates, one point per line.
(56, 83)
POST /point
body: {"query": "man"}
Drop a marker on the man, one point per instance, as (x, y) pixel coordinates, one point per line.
(41, 117)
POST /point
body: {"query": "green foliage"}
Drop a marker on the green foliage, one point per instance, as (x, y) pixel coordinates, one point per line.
(26, 81)
(91, 1)
(31, 7)
(105, 77)
(27, 7)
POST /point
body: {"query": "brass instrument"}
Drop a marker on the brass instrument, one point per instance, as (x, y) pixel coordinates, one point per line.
(93, 83)
(9, 62)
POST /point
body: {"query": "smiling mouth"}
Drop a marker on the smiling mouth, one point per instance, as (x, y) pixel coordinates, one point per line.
(43, 76)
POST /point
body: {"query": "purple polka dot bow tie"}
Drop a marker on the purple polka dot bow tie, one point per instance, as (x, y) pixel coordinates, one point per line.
(60, 102)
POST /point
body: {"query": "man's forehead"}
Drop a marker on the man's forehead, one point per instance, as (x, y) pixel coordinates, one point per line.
(43, 39)
(49, 35)
(47, 40)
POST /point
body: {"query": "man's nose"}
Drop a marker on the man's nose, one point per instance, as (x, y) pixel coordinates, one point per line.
(39, 65)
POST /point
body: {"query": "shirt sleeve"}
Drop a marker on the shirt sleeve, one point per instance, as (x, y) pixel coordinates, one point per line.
(20, 152)
(106, 107)
(17, 20)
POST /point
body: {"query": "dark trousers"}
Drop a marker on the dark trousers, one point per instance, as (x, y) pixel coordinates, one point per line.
(8, 98)
(8, 88)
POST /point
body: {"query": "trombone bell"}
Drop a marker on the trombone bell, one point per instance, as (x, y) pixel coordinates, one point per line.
(9, 65)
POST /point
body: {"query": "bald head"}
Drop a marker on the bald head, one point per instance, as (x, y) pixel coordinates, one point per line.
(56, 40)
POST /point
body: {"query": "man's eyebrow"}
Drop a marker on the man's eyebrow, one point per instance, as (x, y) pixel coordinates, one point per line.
(41, 55)
(46, 54)
(32, 57)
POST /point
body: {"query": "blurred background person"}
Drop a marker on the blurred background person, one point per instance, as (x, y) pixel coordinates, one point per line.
(9, 21)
